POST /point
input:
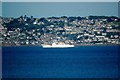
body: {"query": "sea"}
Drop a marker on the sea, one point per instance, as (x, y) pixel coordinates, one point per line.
(76, 62)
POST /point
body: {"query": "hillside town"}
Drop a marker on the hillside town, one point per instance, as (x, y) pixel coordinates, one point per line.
(90, 30)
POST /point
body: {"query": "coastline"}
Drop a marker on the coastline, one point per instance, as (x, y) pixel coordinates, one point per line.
(73, 47)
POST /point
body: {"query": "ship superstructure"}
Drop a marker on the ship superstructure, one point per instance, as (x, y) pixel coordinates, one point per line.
(57, 45)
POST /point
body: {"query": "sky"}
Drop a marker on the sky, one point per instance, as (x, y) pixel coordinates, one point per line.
(48, 9)
(0, 8)
(60, 0)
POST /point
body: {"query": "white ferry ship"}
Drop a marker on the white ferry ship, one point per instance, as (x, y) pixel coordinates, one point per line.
(59, 45)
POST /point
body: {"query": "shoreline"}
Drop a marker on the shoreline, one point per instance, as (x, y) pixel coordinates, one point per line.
(68, 47)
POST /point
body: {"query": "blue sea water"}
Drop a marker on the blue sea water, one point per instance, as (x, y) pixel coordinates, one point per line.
(77, 62)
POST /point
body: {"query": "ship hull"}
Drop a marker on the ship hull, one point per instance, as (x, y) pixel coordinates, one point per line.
(57, 46)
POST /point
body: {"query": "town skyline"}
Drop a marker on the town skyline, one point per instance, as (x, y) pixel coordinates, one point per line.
(91, 30)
